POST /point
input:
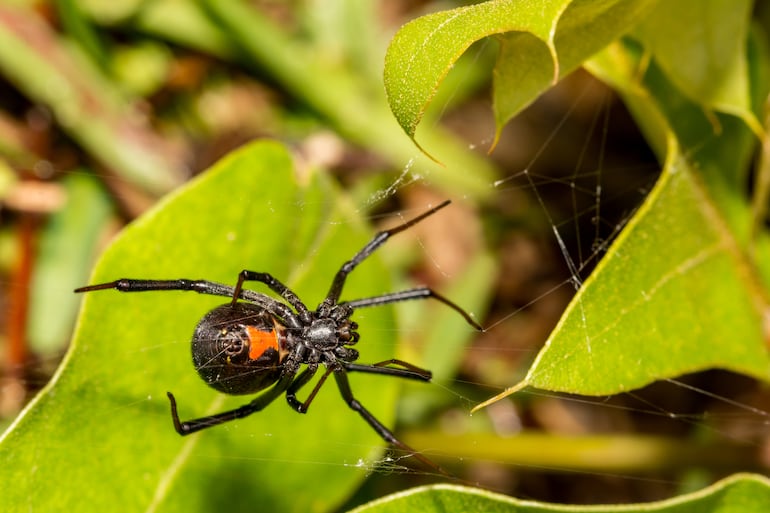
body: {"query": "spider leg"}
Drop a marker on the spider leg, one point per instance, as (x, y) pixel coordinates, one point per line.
(379, 239)
(340, 375)
(274, 284)
(407, 295)
(202, 287)
(130, 285)
(259, 403)
(291, 393)
(408, 371)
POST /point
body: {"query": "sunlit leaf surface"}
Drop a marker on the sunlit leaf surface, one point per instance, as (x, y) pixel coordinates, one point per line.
(540, 41)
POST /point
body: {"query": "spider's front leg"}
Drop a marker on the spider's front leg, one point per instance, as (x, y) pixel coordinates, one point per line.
(132, 285)
(274, 284)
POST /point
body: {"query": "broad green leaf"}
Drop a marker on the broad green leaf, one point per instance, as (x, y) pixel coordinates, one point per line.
(701, 46)
(541, 41)
(742, 492)
(100, 437)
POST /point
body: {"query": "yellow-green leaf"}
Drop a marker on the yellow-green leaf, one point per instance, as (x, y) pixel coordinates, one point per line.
(541, 41)
(701, 46)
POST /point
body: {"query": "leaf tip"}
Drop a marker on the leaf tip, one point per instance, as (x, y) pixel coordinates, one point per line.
(495, 140)
(502, 395)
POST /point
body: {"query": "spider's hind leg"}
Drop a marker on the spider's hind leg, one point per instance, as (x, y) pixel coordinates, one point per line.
(340, 375)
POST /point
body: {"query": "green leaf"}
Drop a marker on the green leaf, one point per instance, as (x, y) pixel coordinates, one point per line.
(701, 46)
(100, 434)
(541, 41)
(742, 492)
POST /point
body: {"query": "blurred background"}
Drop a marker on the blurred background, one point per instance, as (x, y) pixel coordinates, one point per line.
(106, 107)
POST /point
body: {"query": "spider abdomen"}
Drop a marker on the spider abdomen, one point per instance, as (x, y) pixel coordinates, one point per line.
(238, 348)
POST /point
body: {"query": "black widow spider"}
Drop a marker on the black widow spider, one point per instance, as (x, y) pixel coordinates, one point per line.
(243, 347)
